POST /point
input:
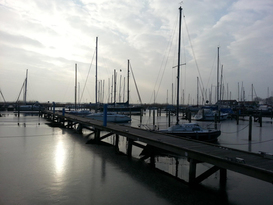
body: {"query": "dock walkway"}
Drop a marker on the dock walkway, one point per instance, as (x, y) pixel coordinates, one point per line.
(257, 165)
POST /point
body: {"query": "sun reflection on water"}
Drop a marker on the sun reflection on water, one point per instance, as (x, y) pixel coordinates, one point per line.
(60, 157)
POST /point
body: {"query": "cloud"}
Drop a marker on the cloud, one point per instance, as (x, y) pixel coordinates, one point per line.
(49, 37)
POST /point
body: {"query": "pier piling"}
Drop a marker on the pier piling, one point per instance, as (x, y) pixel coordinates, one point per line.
(250, 129)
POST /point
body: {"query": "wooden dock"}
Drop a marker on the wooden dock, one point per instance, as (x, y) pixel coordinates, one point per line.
(257, 165)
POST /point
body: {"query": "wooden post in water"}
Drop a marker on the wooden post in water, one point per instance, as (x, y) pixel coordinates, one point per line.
(260, 119)
(250, 128)
(18, 107)
(63, 112)
(105, 115)
(215, 121)
(189, 116)
(237, 117)
(141, 115)
(154, 118)
(169, 118)
(54, 108)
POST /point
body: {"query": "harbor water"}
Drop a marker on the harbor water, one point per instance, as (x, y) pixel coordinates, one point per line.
(40, 164)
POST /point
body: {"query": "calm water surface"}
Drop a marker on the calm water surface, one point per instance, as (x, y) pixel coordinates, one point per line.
(49, 165)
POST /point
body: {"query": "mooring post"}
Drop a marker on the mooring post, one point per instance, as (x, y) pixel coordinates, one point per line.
(141, 115)
(169, 118)
(250, 128)
(154, 118)
(192, 171)
(237, 117)
(260, 119)
(53, 107)
(63, 113)
(104, 115)
(215, 121)
(18, 106)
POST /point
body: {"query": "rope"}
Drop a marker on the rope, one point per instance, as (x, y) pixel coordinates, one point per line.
(235, 131)
(165, 58)
(202, 84)
(87, 76)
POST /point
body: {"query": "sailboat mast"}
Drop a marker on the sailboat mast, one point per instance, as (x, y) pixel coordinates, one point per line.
(197, 91)
(128, 91)
(178, 67)
(96, 89)
(75, 86)
(221, 85)
(115, 86)
(25, 94)
(217, 94)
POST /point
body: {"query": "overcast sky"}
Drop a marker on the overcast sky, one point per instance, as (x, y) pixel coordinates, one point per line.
(49, 37)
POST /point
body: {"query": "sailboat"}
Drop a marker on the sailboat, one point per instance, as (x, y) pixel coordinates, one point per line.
(206, 114)
(111, 116)
(125, 107)
(28, 107)
(189, 130)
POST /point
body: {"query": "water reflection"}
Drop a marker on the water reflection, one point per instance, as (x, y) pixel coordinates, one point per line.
(60, 157)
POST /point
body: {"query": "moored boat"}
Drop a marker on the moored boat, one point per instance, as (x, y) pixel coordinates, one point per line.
(190, 130)
(209, 115)
(193, 131)
(80, 112)
(111, 117)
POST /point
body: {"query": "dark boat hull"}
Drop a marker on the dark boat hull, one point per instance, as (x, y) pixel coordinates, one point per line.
(208, 137)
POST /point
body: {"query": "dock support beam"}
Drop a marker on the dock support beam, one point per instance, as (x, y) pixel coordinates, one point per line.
(223, 177)
(116, 143)
(97, 136)
(192, 171)
(193, 180)
(79, 128)
(129, 147)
